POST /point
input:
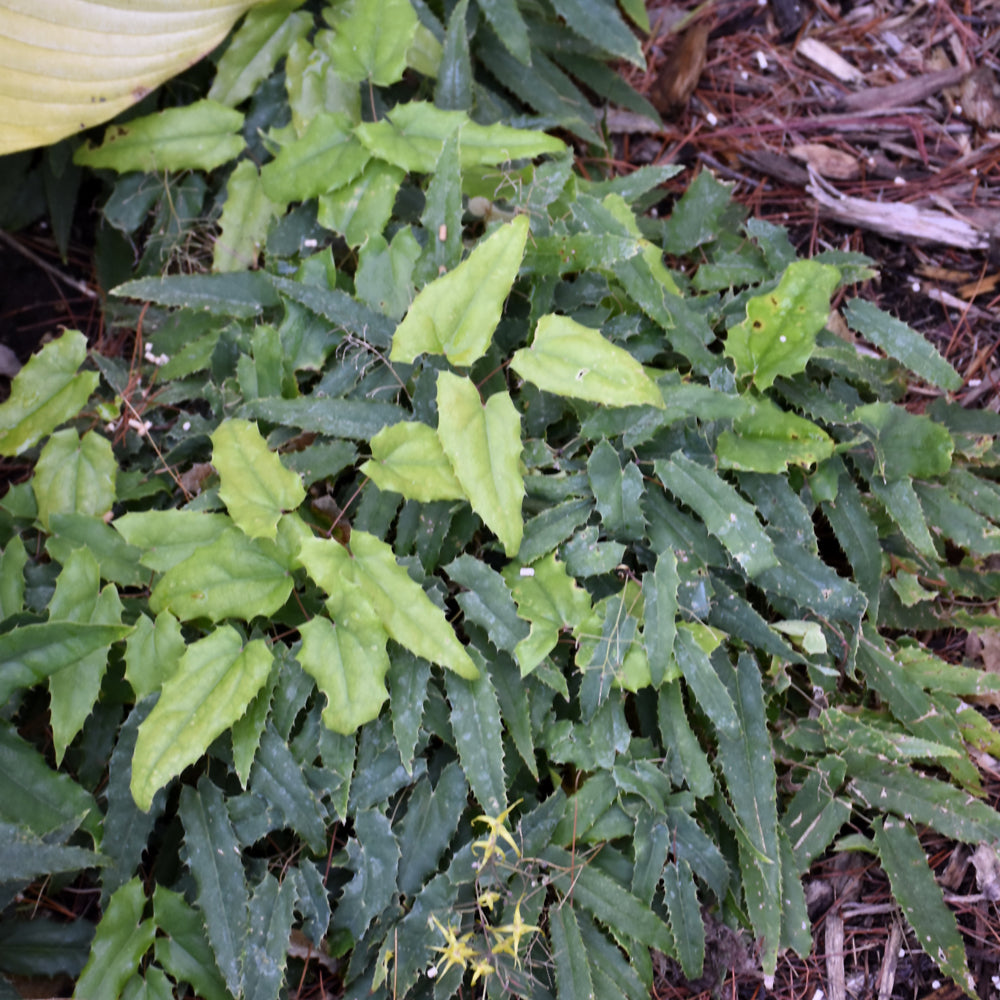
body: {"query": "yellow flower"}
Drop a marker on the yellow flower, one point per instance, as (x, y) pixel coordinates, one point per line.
(456, 950)
(497, 829)
(510, 943)
(488, 899)
(481, 968)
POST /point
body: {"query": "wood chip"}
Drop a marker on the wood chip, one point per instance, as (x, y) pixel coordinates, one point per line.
(980, 98)
(906, 92)
(820, 54)
(827, 161)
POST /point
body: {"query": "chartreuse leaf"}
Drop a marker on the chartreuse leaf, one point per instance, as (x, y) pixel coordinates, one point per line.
(152, 652)
(384, 591)
(246, 214)
(475, 722)
(407, 458)
(32, 794)
(483, 444)
(215, 681)
(570, 359)
(907, 445)
(167, 537)
(767, 439)
(411, 135)
(47, 391)
(901, 342)
(362, 206)
(121, 940)
(779, 334)
(550, 600)
(213, 855)
(457, 314)
(349, 664)
(913, 884)
(684, 909)
(231, 578)
(726, 514)
(201, 136)
(118, 560)
(254, 485)
(74, 475)
(569, 955)
(30, 653)
(182, 947)
(371, 40)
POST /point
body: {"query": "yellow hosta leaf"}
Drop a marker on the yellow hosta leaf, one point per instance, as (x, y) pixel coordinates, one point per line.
(70, 64)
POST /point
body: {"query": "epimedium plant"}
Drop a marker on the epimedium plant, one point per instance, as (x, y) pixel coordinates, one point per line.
(464, 596)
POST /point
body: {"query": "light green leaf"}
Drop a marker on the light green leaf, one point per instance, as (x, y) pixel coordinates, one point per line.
(767, 439)
(122, 938)
(255, 486)
(411, 135)
(168, 537)
(234, 577)
(483, 444)
(74, 475)
(475, 723)
(372, 38)
(200, 136)
(325, 157)
(902, 504)
(265, 36)
(550, 600)
(384, 590)
(901, 342)
(570, 359)
(12, 562)
(569, 955)
(457, 314)
(907, 445)
(407, 458)
(183, 949)
(919, 895)
(118, 560)
(659, 591)
(779, 334)
(726, 514)
(246, 214)
(363, 206)
(349, 666)
(30, 653)
(46, 392)
(215, 681)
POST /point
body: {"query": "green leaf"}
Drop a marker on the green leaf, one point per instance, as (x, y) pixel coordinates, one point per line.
(254, 485)
(725, 513)
(457, 314)
(182, 948)
(570, 359)
(152, 652)
(903, 343)
(200, 136)
(119, 561)
(550, 600)
(453, 91)
(569, 955)
(906, 445)
(599, 22)
(684, 909)
(74, 475)
(43, 947)
(213, 854)
(487, 601)
(371, 40)
(121, 940)
(25, 857)
(373, 857)
(388, 592)
(483, 444)
(411, 135)
(215, 681)
(232, 577)
(363, 206)
(266, 34)
(46, 392)
(920, 897)
(270, 925)
(475, 723)
(902, 504)
(326, 156)
(340, 418)
(31, 653)
(779, 334)
(659, 591)
(767, 439)
(349, 663)
(240, 295)
(407, 458)
(506, 20)
(12, 562)
(618, 492)
(34, 796)
(687, 762)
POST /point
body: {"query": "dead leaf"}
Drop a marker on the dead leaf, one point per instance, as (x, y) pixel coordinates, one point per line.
(192, 480)
(827, 161)
(980, 97)
(987, 871)
(990, 638)
(682, 71)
